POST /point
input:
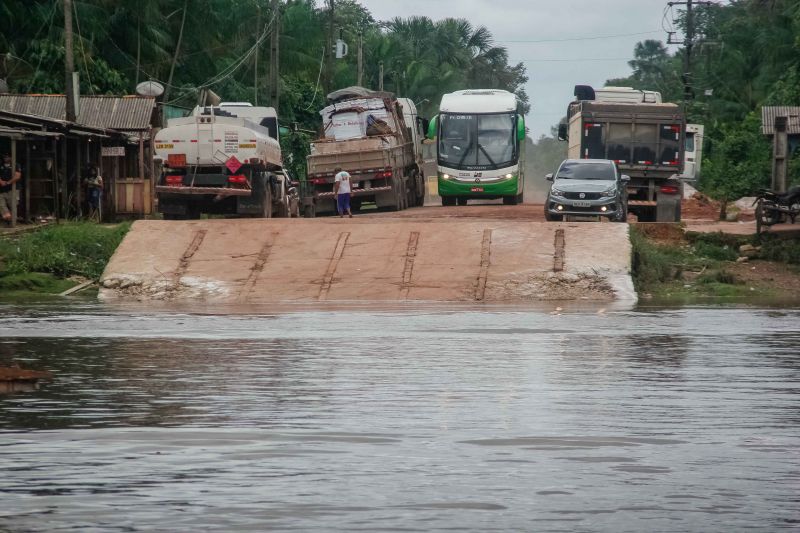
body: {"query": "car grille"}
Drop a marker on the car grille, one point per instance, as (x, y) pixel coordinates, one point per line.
(586, 196)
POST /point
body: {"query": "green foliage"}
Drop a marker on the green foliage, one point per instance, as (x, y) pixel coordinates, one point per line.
(64, 250)
(739, 163)
(653, 264)
(778, 249)
(32, 282)
(118, 43)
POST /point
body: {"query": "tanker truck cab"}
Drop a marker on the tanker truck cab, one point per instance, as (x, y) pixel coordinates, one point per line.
(480, 139)
(224, 160)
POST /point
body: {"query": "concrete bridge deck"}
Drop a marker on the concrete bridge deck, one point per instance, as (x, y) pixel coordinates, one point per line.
(371, 258)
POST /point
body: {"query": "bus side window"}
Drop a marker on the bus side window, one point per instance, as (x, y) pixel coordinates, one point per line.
(593, 141)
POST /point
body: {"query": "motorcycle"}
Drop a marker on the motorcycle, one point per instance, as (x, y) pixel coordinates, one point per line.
(775, 207)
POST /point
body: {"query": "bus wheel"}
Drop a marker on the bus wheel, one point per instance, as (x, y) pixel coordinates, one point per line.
(462, 201)
(510, 200)
(448, 200)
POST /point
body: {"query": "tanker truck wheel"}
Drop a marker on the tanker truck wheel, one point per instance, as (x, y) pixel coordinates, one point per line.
(266, 201)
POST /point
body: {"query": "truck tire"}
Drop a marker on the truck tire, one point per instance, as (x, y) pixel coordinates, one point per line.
(266, 201)
(283, 209)
(646, 214)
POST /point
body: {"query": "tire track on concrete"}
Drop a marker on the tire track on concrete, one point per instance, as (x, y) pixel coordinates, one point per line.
(559, 243)
(327, 280)
(186, 258)
(258, 267)
(408, 270)
(483, 274)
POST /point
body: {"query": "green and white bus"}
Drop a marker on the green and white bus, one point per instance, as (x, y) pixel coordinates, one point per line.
(480, 138)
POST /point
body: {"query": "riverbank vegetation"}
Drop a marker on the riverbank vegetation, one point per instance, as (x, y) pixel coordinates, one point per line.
(54, 258)
(671, 265)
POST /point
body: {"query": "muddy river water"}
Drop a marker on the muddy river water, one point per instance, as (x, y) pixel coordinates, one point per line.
(406, 419)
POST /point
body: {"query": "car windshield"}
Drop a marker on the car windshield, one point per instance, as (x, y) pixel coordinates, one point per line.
(586, 171)
(477, 141)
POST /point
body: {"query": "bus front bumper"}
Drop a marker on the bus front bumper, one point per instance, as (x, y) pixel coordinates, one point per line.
(478, 189)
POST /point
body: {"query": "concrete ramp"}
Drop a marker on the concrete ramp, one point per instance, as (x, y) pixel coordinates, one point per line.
(370, 258)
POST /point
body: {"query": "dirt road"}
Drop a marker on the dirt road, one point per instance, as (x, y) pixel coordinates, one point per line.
(473, 253)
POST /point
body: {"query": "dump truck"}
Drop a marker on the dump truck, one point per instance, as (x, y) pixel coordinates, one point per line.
(642, 134)
(377, 139)
(223, 160)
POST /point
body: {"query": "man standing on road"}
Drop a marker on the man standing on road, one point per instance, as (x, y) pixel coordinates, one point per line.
(341, 187)
(8, 196)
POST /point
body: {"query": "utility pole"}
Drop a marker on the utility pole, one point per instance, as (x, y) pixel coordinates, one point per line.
(380, 76)
(329, 54)
(69, 62)
(688, 45)
(177, 51)
(274, 55)
(255, 59)
(360, 59)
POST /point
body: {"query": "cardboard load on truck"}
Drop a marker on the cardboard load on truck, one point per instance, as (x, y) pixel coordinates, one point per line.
(358, 118)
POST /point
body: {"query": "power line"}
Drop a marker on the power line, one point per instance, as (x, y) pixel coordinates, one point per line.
(590, 38)
(577, 59)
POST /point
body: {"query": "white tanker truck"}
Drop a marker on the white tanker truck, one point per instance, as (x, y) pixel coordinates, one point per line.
(224, 160)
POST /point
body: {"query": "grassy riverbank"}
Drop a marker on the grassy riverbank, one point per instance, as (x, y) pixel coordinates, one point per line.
(670, 265)
(56, 257)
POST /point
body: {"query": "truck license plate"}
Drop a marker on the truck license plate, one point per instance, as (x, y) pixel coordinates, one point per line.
(581, 204)
(476, 189)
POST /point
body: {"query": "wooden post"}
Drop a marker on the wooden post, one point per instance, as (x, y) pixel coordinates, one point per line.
(141, 166)
(780, 149)
(26, 175)
(78, 165)
(63, 186)
(54, 179)
(14, 198)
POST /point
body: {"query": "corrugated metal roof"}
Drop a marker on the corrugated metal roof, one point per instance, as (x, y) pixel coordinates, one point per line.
(123, 113)
(768, 114)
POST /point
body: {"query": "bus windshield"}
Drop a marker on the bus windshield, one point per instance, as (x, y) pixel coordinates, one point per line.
(478, 142)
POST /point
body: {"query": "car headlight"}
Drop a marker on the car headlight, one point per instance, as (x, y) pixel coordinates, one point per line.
(556, 192)
(609, 193)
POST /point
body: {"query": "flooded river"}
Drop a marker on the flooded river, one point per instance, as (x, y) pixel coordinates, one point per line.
(402, 420)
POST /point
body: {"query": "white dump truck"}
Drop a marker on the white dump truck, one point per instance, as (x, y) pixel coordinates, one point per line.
(377, 139)
(223, 159)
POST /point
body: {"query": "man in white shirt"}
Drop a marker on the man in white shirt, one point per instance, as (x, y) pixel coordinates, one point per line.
(341, 187)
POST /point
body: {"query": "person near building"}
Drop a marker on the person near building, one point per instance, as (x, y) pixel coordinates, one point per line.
(94, 190)
(8, 195)
(341, 187)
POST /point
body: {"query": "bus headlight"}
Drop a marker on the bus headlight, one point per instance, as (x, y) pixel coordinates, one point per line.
(509, 176)
(445, 176)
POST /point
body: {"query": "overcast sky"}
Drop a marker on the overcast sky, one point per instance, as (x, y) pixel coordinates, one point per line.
(554, 67)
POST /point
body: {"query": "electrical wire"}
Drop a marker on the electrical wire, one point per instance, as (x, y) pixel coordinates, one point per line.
(579, 59)
(41, 55)
(319, 76)
(591, 38)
